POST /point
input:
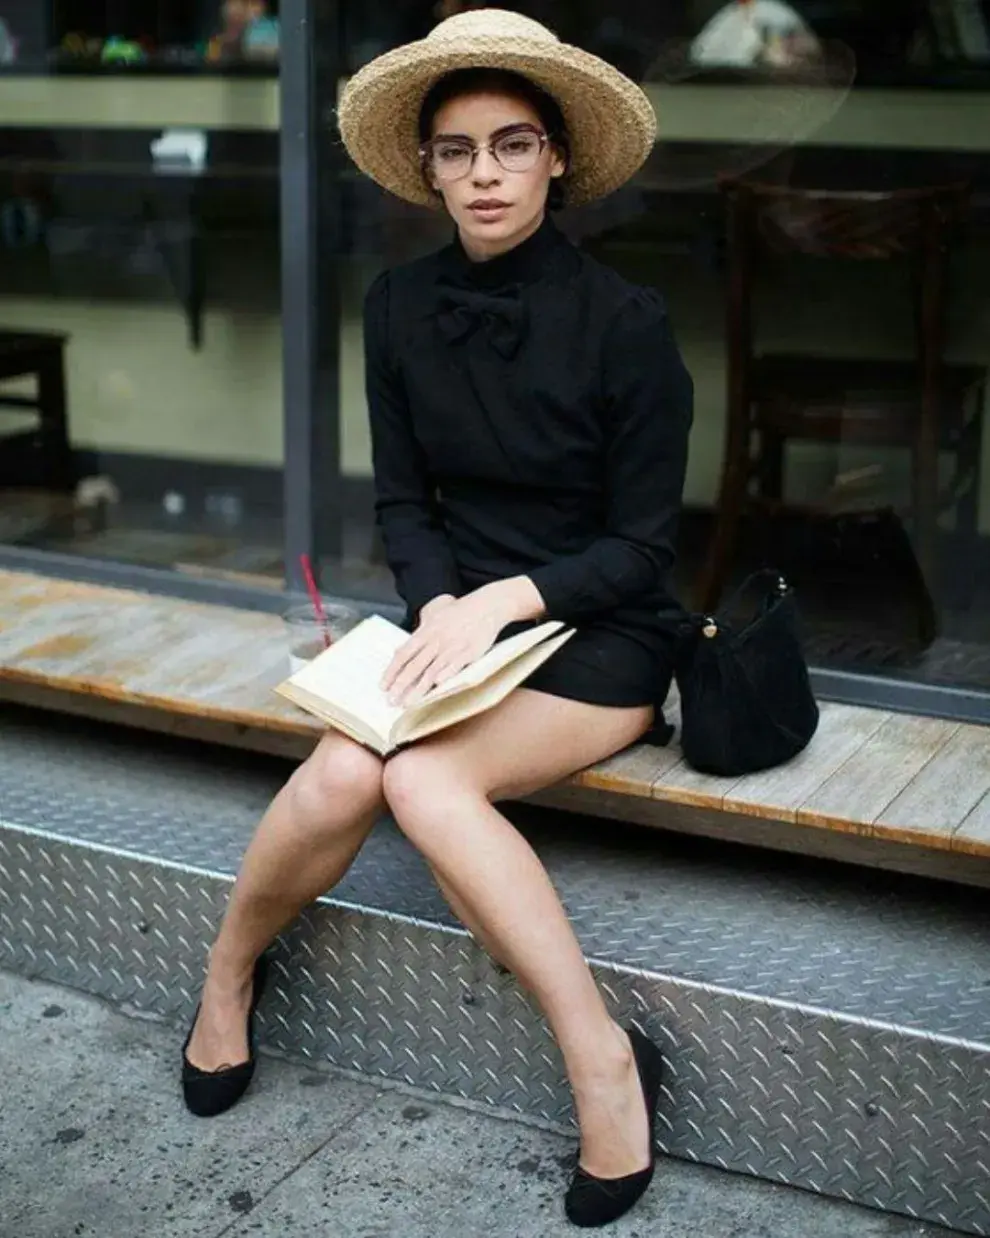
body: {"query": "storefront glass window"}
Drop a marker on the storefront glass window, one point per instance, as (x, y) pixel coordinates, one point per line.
(817, 214)
(140, 327)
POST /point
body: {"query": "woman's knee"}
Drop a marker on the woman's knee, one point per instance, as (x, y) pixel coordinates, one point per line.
(339, 785)
(418, 782)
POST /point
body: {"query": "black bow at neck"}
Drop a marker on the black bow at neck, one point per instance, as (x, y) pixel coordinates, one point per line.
(501, 315)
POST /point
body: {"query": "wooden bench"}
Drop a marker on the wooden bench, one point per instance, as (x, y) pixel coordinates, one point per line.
(893, 791)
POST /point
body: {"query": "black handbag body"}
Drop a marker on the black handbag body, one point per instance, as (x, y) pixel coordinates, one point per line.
(746, 698)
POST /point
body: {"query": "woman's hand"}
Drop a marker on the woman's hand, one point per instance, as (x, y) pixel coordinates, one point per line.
(453, 633)
(437, 604)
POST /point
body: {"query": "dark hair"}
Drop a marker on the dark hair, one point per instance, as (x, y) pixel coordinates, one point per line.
(504, 82)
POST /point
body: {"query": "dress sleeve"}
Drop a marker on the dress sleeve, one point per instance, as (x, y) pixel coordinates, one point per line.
(648, 401)
(416, 546)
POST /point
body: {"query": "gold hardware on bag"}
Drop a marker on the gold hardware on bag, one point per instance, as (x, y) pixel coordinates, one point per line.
(710, 629)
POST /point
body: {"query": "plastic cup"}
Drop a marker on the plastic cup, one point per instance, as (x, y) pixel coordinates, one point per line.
(307, 635)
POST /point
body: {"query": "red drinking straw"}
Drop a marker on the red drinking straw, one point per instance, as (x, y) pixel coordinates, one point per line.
(314, 597)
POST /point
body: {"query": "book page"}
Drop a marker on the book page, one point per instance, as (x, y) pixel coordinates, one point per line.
(347, 676)
(429, 717)
(490, 663)
(341, 684)
(338, 719)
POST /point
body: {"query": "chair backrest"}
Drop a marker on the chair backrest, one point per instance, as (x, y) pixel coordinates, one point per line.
(765, 219)
(858, 224)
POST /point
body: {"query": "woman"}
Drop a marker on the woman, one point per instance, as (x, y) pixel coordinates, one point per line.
(530, 415)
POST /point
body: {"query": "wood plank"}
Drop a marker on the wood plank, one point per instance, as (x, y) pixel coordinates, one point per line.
(26, 620)
(256, 580)
(126, 647)
(14, 685)
(145, 644)
(944, 792)
(779, 793)
(631, 772)
(681, 784)
(785, 836)
(112, 648)
(163, 721)
(972, 836)
(131, 646)
(857, 794)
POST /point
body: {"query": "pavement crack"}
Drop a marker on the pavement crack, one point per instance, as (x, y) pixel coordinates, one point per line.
(294, 1169)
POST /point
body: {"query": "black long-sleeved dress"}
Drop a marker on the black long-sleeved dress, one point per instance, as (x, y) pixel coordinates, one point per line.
(530, 415)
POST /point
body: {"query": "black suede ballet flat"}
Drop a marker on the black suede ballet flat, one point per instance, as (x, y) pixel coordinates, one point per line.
(211, 1092)
(592, 1201)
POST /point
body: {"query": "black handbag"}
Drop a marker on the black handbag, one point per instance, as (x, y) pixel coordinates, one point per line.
(746, 699)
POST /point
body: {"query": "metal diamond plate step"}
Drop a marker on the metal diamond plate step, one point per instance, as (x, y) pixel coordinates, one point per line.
(825, 1028)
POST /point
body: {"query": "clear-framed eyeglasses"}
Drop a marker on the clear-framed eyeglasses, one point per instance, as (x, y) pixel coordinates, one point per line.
(514, 150)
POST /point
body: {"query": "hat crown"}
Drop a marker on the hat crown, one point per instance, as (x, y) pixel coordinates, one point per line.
(491, 23)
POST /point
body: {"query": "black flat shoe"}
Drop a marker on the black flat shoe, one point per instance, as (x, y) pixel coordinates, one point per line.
(592, 1201)
(209, 1092)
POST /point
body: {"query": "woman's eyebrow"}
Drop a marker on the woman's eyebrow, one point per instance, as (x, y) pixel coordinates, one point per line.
(513, 128)
(495, 133)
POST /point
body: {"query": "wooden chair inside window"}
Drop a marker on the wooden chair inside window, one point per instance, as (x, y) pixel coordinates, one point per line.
(921, 404)
(40, 456)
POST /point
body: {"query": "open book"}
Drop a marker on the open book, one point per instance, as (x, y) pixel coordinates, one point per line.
(341, 685)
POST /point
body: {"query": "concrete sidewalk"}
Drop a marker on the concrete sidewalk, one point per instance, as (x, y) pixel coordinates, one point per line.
(95, 1143)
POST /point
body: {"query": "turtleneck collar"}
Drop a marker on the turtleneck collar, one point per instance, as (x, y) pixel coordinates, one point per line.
(525, 263)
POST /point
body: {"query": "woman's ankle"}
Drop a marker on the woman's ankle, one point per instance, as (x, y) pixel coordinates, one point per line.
(229, 976)
(603, 1061)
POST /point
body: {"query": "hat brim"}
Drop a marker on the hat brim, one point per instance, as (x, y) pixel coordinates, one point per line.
(611, 124)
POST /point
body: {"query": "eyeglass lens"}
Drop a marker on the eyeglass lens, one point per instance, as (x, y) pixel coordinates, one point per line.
(453, 158)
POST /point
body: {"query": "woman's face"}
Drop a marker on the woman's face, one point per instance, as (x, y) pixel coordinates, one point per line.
(494, 208)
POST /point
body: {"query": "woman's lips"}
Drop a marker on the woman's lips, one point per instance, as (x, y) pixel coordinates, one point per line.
(488, 208)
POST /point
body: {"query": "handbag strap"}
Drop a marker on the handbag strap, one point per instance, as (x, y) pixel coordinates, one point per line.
(764, 575)
(710, 624)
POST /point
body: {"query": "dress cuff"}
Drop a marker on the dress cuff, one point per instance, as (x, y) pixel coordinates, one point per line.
(554, 584)
(432, 578)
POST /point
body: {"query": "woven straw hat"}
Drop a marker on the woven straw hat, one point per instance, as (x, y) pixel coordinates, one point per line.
(611, 122)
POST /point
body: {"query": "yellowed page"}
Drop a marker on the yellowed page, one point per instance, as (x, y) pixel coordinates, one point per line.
(341, 685)
(344, 679)
(428, 717)
(339, 719)
(490, 663)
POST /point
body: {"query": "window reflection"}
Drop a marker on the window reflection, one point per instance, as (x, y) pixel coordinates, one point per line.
(95, 36)
(883, 521)
(140, 326)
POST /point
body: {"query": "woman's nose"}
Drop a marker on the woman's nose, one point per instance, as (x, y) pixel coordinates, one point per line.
(486, 169)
